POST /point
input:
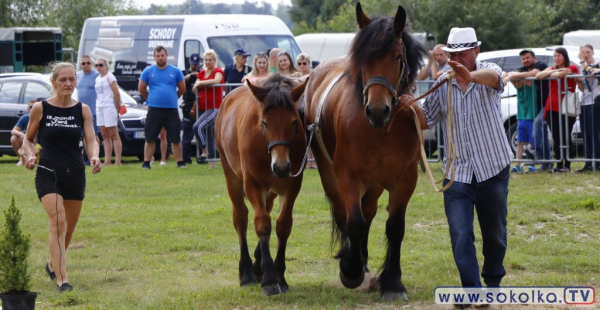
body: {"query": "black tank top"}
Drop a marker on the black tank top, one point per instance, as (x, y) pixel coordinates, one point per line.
(59, 135)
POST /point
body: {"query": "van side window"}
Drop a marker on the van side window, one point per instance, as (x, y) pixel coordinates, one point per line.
(191, 47)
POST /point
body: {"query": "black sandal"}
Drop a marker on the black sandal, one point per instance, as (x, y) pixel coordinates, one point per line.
(51, 274)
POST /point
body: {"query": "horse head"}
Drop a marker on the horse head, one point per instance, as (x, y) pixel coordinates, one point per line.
(378, 56)
(279, 102)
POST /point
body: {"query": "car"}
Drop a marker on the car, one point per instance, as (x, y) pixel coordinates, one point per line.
(17, 89)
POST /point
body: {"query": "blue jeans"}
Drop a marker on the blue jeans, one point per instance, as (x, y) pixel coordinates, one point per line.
(540, 137)
(490, 200)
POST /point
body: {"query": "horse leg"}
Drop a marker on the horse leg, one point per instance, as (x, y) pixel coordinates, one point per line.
(391, 276)
(283, 229)
(235, 189)
(256, 270)
(369, 209)
(352, 270)
(262, 225)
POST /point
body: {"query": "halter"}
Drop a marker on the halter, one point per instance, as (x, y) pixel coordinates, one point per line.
(271, 145)
(383, 81)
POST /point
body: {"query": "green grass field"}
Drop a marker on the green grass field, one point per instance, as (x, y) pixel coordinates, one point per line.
(164, 239)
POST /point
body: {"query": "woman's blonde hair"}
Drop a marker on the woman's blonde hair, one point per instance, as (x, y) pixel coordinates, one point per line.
(55, 67)
(103, 60)
(303, 56)
(211, 53)
(254, 71)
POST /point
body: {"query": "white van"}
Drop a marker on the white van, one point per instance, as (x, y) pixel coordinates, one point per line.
(128, 42)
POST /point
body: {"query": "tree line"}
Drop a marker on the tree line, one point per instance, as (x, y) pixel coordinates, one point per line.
(500, 24)
(69, 15)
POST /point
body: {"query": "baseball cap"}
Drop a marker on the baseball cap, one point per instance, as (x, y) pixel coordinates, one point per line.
(241, 51)
(195, 59)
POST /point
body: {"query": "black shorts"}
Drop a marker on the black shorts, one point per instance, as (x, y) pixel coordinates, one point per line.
(70, 183)
(158, 118)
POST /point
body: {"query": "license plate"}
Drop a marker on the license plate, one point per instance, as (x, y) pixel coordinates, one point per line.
(139, 135)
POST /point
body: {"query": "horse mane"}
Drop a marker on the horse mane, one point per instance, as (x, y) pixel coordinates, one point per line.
(277, 92)
(373, 42)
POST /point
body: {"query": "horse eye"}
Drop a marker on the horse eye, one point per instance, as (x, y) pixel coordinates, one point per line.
(398, 57)
(264, 124)
(295, 123)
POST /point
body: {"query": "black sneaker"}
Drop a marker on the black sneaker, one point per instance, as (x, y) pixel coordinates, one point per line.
(51, 274)
(64, 287)
(181, 165)
(146, 166)
(585, 169)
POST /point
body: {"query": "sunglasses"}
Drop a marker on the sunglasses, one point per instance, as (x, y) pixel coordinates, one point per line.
(302, 63)
(86, 63)
(282, 53)
(30, 107)
(260, 54)
(99, 65)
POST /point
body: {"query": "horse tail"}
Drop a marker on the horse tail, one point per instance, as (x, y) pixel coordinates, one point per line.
(336, 233)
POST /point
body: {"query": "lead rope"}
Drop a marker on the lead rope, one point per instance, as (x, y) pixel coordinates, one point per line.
(451, 148)
(310, 128)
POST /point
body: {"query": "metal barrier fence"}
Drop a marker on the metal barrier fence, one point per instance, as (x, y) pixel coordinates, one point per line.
(572, 143)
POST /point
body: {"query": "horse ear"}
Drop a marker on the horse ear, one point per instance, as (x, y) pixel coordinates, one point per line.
(299, 90)
(258, 92)
(361, 18)
(399, 21)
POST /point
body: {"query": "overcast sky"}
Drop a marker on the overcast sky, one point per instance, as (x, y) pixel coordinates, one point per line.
(147, 3)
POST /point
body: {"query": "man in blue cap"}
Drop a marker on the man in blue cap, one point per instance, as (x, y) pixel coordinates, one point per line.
(189, 97)
(236, 71)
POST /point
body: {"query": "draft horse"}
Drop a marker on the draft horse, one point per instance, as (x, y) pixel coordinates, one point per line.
(257, 131)
(359, 156)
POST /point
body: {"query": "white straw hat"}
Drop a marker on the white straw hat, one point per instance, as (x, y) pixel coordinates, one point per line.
(461, 39)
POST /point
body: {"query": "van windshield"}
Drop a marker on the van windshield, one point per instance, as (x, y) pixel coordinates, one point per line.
(225, 46)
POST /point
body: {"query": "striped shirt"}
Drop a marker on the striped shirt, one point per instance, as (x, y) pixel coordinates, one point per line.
(481, 145)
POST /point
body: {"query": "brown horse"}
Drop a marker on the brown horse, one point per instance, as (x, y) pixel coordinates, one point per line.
(256, 131)
(359, 156)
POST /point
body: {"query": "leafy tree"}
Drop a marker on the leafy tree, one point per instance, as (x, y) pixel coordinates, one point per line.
(21, 13)
(252, 8)
(70, 15)
(310, 12)
(193, 7)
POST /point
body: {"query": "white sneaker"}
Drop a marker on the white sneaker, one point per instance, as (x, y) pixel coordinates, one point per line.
(163, 163)
(19, 163)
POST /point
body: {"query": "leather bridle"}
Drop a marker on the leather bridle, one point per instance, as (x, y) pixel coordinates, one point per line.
(404, 72)
(271, 145)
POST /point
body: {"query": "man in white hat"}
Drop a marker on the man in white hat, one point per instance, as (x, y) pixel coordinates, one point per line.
(483, 157)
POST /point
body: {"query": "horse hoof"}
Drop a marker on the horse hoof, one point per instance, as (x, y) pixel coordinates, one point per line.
(248, 280)
(393, 296)
(368, 283)
(352, 283)
(271, 289)
(284, 289)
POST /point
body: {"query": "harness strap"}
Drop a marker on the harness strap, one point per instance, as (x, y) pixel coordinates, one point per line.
(382, 81)
(317, 125)
(289, 144)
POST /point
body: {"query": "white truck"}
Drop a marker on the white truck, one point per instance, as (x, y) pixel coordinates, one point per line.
(128, 42)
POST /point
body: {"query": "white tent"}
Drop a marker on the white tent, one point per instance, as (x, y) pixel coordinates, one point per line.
(581, 37)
